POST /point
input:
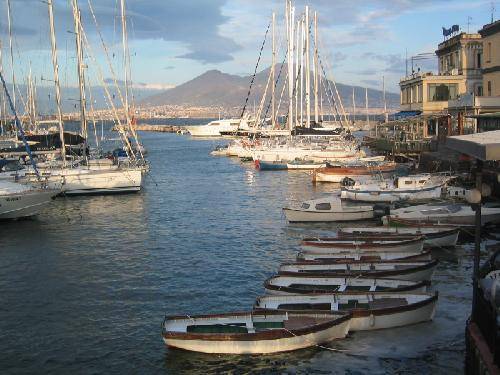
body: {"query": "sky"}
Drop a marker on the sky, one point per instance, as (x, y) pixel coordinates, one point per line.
(173, 41)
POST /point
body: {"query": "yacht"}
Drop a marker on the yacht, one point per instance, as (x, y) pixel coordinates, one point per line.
(216, 128)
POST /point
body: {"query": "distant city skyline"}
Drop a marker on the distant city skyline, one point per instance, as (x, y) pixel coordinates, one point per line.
(174, 41)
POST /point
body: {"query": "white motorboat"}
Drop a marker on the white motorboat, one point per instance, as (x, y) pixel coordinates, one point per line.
(412, 271)
(444, 214)
(18, 200)
(369, 311)
(332, 245)
(410, 189)
(328, 209)
(433, 237)
(364, 256)
(214, 128)
(326, 284)
(254, 332)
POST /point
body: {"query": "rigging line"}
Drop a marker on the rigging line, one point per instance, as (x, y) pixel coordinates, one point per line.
(275, 85)
(19, 126)
(255, 71)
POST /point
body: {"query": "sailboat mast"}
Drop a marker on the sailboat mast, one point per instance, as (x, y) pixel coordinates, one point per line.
(81, 73)
(353, 107)
(273, 78)
(55, 66)
(316, 70)
(367, 115)
(9, 23)
(308, 69)
(289, 23)
(385, 102)
(125, 55)
(295, 80)
(302, 37)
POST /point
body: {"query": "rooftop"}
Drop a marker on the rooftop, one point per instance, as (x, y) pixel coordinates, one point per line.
(490, 29)
(456, 39)
(483, 146)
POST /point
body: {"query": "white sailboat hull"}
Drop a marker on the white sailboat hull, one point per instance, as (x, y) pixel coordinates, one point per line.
(26, 204)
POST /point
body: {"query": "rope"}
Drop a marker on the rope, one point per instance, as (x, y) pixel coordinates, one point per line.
(255, 71)
(275, 85)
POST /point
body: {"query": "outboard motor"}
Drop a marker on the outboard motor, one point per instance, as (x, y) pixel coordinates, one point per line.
(381, 209)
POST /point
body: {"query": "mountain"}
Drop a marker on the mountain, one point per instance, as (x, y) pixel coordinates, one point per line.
(215, 88)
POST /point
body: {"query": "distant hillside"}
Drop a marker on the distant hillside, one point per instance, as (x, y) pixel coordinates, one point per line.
(214, 88)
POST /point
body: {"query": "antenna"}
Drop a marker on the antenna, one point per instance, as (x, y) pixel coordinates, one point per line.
(492, 11)
(469, 20)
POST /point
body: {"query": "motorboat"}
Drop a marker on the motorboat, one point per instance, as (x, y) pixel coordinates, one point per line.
(369, 311)
(336, 173)
(328, 284)
(270, 165)
(412, 271)
(19, 200)
(328, 209)
(409, 188)
(214, 128)
(254, 332)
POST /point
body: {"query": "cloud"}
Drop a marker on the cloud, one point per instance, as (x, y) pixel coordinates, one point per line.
(195, 24)
(169, 67)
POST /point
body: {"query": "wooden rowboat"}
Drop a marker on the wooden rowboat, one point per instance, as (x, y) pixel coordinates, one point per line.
(433, 237)
(255, 332)
(364, 257)
(412, 271)
(336, 174)
(326, 284)
(369, 311)
(335, 244)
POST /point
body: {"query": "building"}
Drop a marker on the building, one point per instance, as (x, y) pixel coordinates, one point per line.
(491, 69)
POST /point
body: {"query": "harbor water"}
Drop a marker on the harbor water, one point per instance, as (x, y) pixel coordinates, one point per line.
(84, 286)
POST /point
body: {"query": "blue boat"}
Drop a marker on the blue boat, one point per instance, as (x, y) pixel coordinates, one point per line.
(270, 165)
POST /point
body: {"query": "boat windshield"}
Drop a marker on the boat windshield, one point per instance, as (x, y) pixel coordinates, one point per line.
(324, 206)
(305, 206)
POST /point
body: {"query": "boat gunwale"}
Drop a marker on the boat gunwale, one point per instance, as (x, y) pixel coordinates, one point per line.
(367, 244)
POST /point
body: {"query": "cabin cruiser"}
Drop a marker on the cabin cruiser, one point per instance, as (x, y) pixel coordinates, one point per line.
(216, 128)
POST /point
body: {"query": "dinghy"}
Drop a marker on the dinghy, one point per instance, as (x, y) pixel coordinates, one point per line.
(270, 165)
(304, 165)
(329, 209)
(364, 256)
(369, 311)
(409, 189)
(255, 332)
(433, 237)
(444, 214)
(337, 173)
(338, 245)
(412, 271)
(326, 284)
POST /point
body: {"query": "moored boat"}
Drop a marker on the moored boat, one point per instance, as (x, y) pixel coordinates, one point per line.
(304, 165)
(328, 284)
(328, 209)
(459, 214)
(369, 256)
(20, 200)
(433, 237)
(369, 311)
(337, 173)
(270, 165)
(412, 271)
(255, 332)
(339, 245)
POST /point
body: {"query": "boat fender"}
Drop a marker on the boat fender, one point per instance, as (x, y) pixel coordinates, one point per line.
(372, 320)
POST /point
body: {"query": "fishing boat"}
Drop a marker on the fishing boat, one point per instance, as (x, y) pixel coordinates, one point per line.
(328, 209)
(433, 237)
(255, 332)
(410, 189)
(270, 165)
(337, 173)
(19, 200)
(369, 311)
(326, 284)
(371, 256)
(331, 245)
(412, 271)
(443, 213)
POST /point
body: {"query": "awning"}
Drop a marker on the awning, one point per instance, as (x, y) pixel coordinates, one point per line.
(483, 146)
(405, 114)
(492, 115)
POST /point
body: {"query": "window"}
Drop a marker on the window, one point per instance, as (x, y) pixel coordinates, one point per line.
(479, 90)
(478, 65)
(489, 88)
(420, 93)
(408, 182)
(488, 52)
(442, 92)
(305, 206)
(324, 206)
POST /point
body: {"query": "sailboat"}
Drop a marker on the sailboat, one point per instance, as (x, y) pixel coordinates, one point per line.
(18, 200)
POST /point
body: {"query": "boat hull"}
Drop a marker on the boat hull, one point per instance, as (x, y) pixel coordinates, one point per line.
(28, 204)
(329, 247)
(302, 216)
(390, 196)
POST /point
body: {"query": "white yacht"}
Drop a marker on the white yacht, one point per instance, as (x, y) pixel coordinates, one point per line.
(18, 200)
(215, 128)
